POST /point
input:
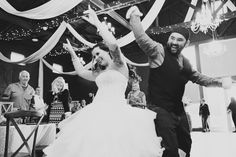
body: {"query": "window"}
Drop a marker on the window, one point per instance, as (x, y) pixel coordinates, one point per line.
(17, 57)
(58, 68)
(189, 53)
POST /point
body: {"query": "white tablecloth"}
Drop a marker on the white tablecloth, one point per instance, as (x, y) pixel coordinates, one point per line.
(46, 135)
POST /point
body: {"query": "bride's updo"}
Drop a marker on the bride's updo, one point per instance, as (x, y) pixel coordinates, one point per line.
(100, 45)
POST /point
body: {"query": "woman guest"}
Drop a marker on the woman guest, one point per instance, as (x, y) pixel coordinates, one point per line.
(136, 97)
(107, 127)
(58, 100)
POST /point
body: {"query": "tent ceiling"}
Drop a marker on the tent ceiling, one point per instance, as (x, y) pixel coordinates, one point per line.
(173, 12)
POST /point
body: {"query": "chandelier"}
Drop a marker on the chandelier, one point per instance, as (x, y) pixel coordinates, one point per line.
(108, 25)
(206, 18)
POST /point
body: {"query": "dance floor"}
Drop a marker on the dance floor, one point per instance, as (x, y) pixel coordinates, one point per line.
(213, 144)
(210, 144)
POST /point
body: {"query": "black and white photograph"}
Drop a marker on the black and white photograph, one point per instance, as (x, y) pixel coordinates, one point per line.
(117, 78)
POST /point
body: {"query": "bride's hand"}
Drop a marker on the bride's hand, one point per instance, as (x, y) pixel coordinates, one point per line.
(92, 16)
(69, 48)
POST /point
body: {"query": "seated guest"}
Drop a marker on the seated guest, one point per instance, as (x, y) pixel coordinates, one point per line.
(37, 104)
(90, 97)
(75, 107)
(58, 100)
(83, 103)
(20, 92)
(136, 98)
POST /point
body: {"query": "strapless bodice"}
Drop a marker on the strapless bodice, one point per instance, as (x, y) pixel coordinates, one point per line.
(111, 86)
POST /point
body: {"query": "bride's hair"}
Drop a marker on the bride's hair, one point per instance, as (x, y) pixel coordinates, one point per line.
(101, 45)
(97, 67)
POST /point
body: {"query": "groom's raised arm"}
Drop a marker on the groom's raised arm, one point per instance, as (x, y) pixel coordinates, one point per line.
(154, 50)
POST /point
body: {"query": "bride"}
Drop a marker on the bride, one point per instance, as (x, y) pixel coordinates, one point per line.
(107, 127)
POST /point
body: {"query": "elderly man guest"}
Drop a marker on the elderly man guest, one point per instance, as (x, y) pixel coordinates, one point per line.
(20, 92)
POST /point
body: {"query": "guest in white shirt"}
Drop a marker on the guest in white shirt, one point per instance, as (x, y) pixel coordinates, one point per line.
(37, 101)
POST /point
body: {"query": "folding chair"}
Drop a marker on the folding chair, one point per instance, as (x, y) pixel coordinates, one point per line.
(22, 114)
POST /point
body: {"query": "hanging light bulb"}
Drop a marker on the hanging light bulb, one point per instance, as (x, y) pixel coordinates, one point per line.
(45, 28)
(108, 25)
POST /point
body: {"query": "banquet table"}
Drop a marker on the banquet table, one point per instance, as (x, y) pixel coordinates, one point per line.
(46, 135)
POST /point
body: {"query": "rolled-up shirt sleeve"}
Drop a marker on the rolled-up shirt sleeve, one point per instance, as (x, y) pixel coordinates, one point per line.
(153, 49)
(198, 78)
(204, 80)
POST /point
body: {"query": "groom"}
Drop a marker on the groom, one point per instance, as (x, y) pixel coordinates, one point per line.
(169, 72)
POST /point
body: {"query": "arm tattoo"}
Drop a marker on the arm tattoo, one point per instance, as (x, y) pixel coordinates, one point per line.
(116, 55)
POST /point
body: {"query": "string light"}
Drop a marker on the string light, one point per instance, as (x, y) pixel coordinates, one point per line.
(19, 33)
(56, 52)
(69, 17)
(166, 29)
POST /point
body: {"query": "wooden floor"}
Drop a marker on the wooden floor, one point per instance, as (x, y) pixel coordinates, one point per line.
(213, 144)
(209, 144)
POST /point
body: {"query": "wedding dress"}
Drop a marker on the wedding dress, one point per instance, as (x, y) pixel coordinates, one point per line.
(108, 127)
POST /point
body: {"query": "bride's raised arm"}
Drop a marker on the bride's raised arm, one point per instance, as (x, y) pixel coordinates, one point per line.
(107, 36)
(79, 68)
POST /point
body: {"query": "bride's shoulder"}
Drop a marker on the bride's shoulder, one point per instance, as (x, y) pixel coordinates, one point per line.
(123, 70)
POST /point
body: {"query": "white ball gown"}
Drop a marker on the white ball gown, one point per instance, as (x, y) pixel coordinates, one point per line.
(108, 127)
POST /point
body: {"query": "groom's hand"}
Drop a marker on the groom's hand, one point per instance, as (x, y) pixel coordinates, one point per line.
(133, 11)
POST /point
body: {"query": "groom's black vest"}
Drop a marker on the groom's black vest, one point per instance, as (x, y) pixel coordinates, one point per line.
(167, 84)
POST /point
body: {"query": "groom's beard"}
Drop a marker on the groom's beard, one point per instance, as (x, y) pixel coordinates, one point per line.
(178, 47)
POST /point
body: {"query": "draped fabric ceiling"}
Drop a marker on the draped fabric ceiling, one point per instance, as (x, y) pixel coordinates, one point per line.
(52, 9)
